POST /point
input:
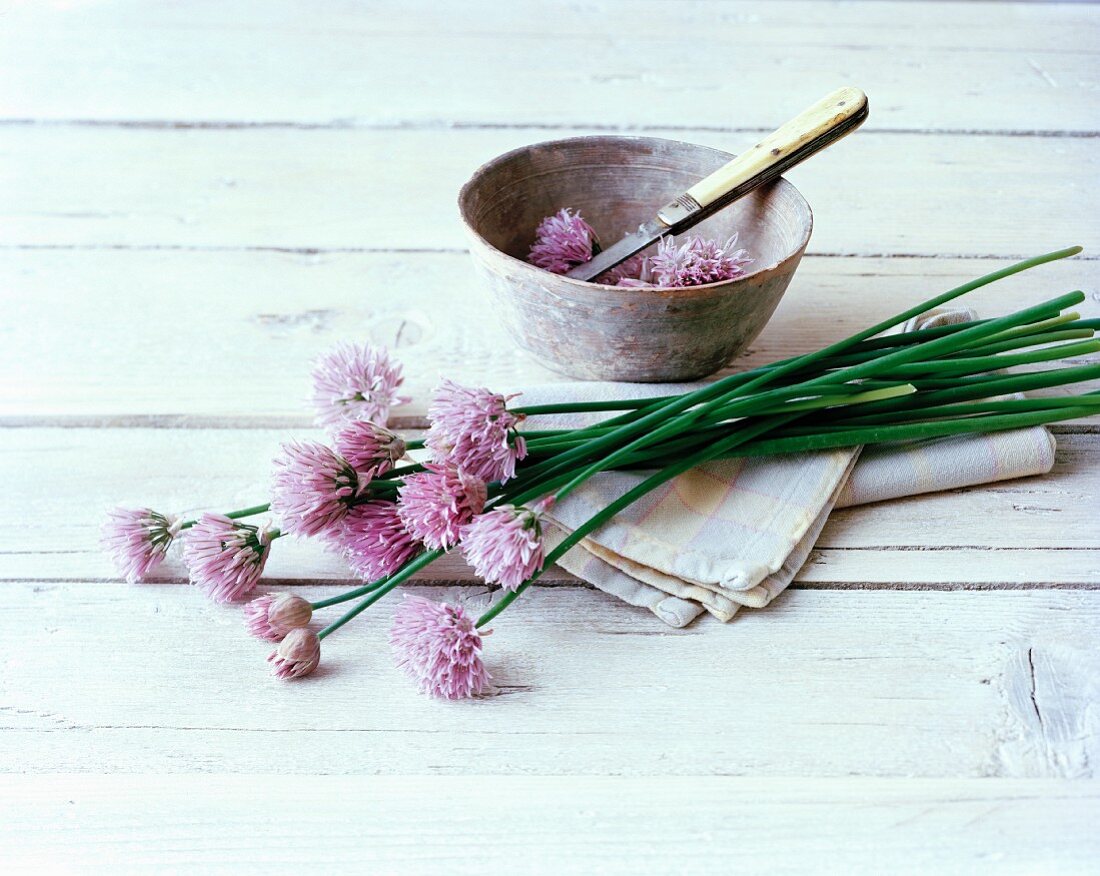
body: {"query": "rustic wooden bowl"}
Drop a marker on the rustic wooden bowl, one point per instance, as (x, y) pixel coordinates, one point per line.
(603, 332)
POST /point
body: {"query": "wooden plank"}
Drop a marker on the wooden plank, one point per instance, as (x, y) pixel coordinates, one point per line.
(1055, 27)
(371, 189)
(600, 63)
(968, 538)
(227, 338)
(407, 825)
(158, 678)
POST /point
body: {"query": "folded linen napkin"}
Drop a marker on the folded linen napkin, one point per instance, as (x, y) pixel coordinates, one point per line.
(735, 532)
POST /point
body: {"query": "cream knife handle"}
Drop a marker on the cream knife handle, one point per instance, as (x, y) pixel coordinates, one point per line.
(815, 128)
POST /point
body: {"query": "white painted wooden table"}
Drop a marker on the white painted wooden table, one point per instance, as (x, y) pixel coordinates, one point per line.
(197, 198)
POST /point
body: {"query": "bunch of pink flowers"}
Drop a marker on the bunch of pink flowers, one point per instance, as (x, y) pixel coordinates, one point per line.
(488, 489)
(384, 519)
(565, 240)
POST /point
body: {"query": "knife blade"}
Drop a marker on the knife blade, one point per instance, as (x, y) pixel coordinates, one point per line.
(647, 233)
(820, 125)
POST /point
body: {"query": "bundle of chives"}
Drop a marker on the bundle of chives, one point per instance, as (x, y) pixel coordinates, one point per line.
(727, 419)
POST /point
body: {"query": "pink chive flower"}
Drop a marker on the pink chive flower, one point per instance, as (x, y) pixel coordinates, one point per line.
(297, 655)
(370, 449)
(504, 545)
(562, 242)
(439, 648)
(273, 615)
(225, 557)
(137, 540)
(474, 430)
(436, 504)
(374, 541)
(693, 263)
(312, 488)
(355, 382)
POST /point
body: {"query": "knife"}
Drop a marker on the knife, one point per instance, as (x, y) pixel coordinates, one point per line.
(811, 131)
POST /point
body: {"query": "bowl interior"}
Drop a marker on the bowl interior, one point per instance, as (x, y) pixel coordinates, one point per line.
(617, 183)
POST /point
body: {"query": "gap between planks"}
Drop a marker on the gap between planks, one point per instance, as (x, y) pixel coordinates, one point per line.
(887, 567)
(412, 421)
(443, 250)
(549, 581)
(422, 125)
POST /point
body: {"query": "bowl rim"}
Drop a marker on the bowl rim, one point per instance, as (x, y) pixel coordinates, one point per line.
(663, 291)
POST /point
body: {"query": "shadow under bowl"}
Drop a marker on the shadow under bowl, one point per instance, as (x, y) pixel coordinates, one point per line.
(593, 331)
